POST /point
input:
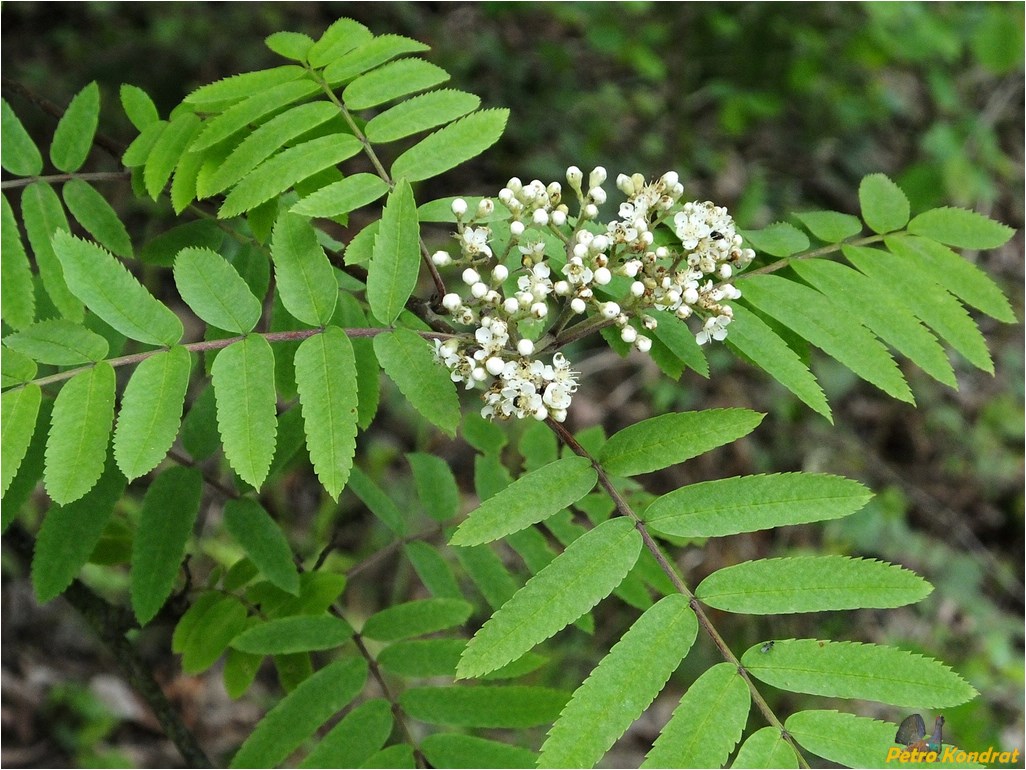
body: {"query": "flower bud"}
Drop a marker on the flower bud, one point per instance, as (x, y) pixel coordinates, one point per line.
(516, 228)
(609, 309)
(642, 343)
(637, 289)
(597, 176)
(539, 310)
(478, 290)
(470, 276)
(525, 347)
(479, 374)
(495, 365)
(625, 185)
(485, 207)
(628, 334)
(561, 288)
(511, 305)
(540, 217)
(451, 301)
(574, 177)
(441, 258)
(603, 276)
(590, 211)
(598, 195)
(558, 218)
(459, 207)
(578, 305)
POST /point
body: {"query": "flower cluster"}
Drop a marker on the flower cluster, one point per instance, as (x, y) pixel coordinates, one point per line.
(613, 274)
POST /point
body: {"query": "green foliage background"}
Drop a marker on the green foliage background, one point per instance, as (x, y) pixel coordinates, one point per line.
(761, 107)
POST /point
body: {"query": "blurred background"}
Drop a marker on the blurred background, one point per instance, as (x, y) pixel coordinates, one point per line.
(766, 108)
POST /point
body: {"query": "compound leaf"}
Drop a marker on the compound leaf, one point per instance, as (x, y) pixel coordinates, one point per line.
(168, 513)
(151, 411)
(409, 363)
(306, 281)
(450, 146)
(326, 379)
(263, 541)
(243, 379)
(810, 584)
(623, 685)
(751, 503)
(668, 439)
(707, 723)
(301, 712)
(73, 137)
(853, 670)
(530, 499)
(574, 582)
(109, 290)
(79, 430)
(214, 291)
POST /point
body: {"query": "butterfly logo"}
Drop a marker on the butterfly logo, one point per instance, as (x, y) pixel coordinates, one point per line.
(912, 733)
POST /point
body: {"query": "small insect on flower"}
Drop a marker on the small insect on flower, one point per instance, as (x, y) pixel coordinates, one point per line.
(766, 647)
(716, 235)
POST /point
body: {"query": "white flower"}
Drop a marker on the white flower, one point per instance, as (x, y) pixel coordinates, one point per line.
(557, 396)
(475, 241)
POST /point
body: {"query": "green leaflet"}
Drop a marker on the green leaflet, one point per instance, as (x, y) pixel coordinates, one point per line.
(264, 142)
(753, 339)
(830, 226)
(291, 45)
(398, 755)
(960, 228)
(846, 739)
(105, 285)
(17, 294)
(392, 81)
(886, 315)
(751, 503)
(18, 153)
(317, 592)
(853, 670)
(678, 339)
(151, 411)
(15, 368)
(139, 150)
(707, 723)
(450, 146)
(186, 176)
(18, 412)
(925, 298)
(215, 292)
(810, 584)
(349, 314)
(528, 500)
(361, 733)
(305, 278)
(420, 113)
(70, 533)
(622, 686)
(326, 379)
(203, 633)
(578, 579)
(43, 214)
(168, 514)
(73, 137)
(958, 275)
(456, 751)
(298, 715)
(79, 429)
(488, 573)
(163, 248)
(483, 706)
(779, 239)
(416, 618)
(301, 633)
(395, 260)
(263, 541)
(433, 570)
(378, 502)
(884, 206)
(29, 470)
(422, 657)
(668, 439)
(766, 748)
(487, 437)
(241, 86)
(167, 151)
(342, 197)
(408, 361)
(199, 427)
(251, 109)
(58, 342)
(138, 106)
(240, 669)
(436, 486)
(340, 38)
(97, 216)
(282, 171)
(243, 380)
(816, 318)
(369, 55)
